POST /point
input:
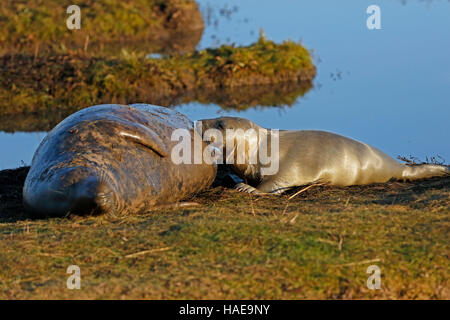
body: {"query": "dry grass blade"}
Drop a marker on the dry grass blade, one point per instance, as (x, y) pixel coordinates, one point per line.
(293, 219)
(304, 189)
(360, 262)
(341, 242)
(171, 206)
(140, 253)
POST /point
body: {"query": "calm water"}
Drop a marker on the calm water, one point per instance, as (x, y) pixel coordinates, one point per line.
(389, 88)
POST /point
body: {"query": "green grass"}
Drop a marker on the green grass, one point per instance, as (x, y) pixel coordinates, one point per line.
(238, 246)
(68, 83)
(30, 25)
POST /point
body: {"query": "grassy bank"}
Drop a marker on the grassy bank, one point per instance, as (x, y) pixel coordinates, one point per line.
(40, 26)
(232, 245)
(66, 83)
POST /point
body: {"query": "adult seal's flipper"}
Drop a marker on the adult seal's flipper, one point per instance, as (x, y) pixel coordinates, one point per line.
(137, 133)
(147, 138)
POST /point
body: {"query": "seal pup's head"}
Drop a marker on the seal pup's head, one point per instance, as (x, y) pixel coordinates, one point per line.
(239, 139)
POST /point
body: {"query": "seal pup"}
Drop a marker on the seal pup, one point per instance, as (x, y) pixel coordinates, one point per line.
(307, 157)
(112, 159)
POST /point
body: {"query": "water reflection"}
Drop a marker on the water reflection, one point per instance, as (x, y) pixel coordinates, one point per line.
(230, 98)
(18, 148)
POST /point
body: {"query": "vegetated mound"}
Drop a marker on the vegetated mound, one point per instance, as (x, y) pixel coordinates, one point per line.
(66, 83)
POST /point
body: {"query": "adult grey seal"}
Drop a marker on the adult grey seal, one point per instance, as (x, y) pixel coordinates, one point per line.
(112, 159)
(306, 157)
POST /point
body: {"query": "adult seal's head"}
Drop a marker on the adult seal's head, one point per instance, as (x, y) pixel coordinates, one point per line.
(112, 159)
(303, 157)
